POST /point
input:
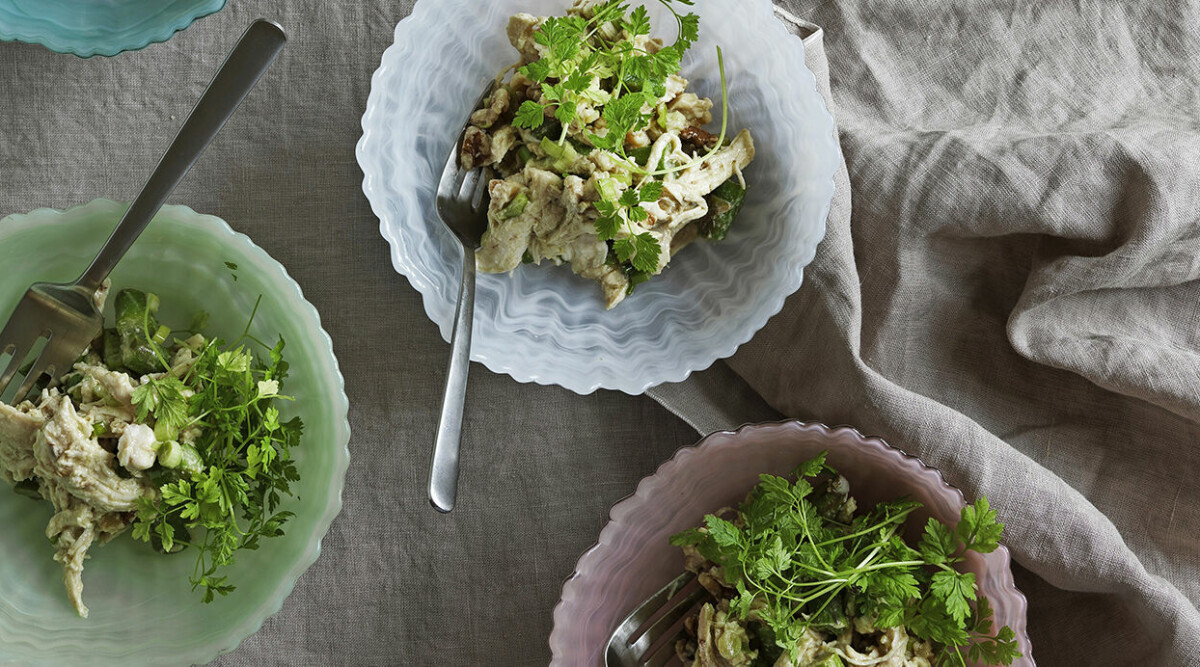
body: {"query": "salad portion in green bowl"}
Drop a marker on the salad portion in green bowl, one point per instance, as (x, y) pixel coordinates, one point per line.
(202, 436)
(178, 437)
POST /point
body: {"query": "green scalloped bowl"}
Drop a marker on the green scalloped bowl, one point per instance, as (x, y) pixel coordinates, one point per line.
(89, 28)
(142, 609)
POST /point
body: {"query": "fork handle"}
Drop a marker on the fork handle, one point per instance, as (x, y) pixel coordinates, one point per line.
(247, 62)
(443, 473)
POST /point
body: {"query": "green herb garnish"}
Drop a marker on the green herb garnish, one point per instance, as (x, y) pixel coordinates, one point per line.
(596, 62)
(227, 464)
(618, 217)
(800, 560)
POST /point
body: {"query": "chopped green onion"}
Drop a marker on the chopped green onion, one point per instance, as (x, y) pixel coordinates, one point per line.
(164, 431)
(173, 454)
(515, 207)
(170, 454)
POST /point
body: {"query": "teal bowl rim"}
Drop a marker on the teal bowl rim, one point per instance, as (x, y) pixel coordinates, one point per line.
(341, 407)
(84, 47)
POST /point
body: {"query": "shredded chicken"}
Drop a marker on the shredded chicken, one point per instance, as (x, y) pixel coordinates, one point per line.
(81, 447)
(52, 444)
(542, 203)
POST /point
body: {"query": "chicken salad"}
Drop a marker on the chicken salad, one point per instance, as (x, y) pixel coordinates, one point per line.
(599, 150)
(174, 438)
(800, 576)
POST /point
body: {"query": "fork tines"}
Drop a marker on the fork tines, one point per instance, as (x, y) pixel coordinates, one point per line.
(45, 334)
(20, 341)
(647, 636)
(20, 366)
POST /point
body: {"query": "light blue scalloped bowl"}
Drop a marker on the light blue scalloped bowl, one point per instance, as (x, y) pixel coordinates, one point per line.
(99, 27)
(142, 609)
(542, 324)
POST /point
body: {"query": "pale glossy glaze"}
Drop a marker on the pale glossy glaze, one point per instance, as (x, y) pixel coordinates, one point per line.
(542, 324)
(142, 611)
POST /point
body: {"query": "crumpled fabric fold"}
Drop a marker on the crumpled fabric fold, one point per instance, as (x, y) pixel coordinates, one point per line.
(1010, 289)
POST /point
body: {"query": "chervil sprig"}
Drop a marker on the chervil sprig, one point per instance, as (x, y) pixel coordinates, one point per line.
(221, 431)
(622, 213)
(578, 55)
(800, 560)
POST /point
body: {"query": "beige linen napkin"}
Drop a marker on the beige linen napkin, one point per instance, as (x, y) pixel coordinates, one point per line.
(1015, 298)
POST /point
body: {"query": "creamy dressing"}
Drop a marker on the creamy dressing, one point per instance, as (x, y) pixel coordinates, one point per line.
(542, 205)
(55, 443)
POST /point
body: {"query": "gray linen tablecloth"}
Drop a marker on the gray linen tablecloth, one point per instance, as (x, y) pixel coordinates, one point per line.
(1009, 288)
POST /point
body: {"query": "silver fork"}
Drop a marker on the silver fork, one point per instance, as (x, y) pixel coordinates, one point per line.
(66, 315)
(462, 205)
(647, 636)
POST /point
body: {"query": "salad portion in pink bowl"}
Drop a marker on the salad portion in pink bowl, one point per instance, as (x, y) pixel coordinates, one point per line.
(794, 467)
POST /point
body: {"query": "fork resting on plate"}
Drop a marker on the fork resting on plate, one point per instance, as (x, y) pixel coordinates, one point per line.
(647, 636)
(462, 203)
(66, 315)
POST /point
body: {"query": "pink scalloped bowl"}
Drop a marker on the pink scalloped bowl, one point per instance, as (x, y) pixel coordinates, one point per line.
(633, 558)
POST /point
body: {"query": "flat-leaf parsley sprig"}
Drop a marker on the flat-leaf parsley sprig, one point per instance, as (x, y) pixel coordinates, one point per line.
(798, 560)
(227, 483)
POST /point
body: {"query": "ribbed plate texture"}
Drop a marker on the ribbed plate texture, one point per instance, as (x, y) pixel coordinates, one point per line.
(142, 609)
(543, 324)
(99, 27)
(633, 558)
